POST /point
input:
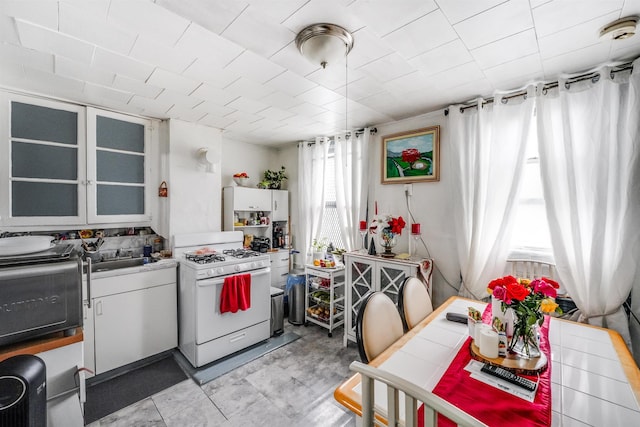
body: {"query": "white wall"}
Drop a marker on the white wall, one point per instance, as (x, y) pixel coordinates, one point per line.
(195, 190)
(243, 157)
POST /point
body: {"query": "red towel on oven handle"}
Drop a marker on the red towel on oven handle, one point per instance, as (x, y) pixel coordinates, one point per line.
(236, 293)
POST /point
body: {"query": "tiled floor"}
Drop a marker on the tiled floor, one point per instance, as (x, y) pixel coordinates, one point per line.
(291, 386)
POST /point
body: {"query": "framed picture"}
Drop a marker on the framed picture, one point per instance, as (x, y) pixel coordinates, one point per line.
(411, 156)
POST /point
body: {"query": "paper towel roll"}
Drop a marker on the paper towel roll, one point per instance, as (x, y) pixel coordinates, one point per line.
(488, 343)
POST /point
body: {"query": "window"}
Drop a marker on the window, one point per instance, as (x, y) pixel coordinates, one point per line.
(330, 227)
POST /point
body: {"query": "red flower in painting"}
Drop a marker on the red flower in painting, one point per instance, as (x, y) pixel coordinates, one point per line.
(410, 155)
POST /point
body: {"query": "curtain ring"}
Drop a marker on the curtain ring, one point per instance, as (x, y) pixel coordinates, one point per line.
(567, 85)
(461, 110)
(525, 96)
(611, 74)
(595, 78)
(545, 90)
(504, 100)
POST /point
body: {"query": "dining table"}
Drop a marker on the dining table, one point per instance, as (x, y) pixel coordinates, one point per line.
(593, 379)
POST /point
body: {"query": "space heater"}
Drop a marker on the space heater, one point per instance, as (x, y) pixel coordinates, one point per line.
(23, 394)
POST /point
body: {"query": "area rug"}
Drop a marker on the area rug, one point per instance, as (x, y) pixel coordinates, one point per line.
(213, 370)
(106, 397)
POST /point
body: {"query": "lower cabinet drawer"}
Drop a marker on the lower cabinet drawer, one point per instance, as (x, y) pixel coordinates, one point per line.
(279, 276)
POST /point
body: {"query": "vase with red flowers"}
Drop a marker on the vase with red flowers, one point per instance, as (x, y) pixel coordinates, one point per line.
(387, 228)
(528, 300)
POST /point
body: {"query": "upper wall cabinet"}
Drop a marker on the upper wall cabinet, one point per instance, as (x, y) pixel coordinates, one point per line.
(280, 205)
(65, 164)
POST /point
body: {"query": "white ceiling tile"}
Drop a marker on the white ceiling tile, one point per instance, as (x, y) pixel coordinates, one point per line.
(168, 96)
(408, 83)
(153, 53)
(186, 114)
(11, 74)
(76, 70)
(507, 49)
(212, 93)
(277, 10)
(334, 78)
(205, 71)
(458, 76)
(177, 83)
(136, 86)
(423, 34)
(494, 24)
(149, 20)
(522, 68)
(315, 11)
(291, 59)
(383, 17)
(576, 61)
(307, 109)
(367, 47)
(281, 100)
(268, 36)
(27, 57)
(290, 83)
(559, 15)
(538, 3)
(457, 10)
(212, 108)
(39, 12)
(329, 117)
(442, 58)
(318, 96)
(59, 86)
(77, 23)
(625, 50)
(45, 40)
(209, 47)
(268, 125)
(8, 31)
(574, 38)
(243, 117)
(99, 92)
(216, 121)
(212, 17)
(275, 114)
(120, 64)
(254, 67)
(387, 68)
(244, 126)
(154, 107)
(364, 87)
(249, 88)
(247, 105)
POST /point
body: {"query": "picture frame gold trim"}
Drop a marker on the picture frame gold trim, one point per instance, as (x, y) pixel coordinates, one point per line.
(412, 156)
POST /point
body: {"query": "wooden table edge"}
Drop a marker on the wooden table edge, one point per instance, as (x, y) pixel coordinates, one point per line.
(42, 344)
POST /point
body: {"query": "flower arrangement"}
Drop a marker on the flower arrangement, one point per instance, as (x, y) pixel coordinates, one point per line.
(529, 299)
(389, 227)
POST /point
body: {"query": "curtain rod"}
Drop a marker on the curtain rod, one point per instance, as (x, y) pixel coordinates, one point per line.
(594, 77)
(357, 132)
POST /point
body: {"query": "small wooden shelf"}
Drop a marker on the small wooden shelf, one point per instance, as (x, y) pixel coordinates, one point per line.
(512, 362)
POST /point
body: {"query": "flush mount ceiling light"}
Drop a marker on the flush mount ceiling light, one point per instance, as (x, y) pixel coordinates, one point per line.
(324, 44)
(620, 29)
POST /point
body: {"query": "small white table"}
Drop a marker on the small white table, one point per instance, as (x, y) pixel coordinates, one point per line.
(594, 379)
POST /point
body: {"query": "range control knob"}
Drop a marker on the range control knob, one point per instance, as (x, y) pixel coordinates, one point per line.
(237, 267)
(254, 265)
(210, 272)
(220, 270)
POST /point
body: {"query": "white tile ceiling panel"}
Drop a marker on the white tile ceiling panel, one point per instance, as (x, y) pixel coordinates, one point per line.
(576, 61)
(136, 86)
(254, 67)
(316, 11)
(269, 39)
(266, 124)
(213, 95)
(120, 64)
(318, 96)
(458, 76)
(281, 100)
(631, 7)
(335, 77)
(388, 68)
(507, 49)
(59, 86)
(149, 20)
(307, 109)
(204, 71)
(177, 83)
(27, 57)
(43, 13)
(248, 88)
(442, 58)
(216, 121)
(458, 10)
(187, 115)
(367, 47)
(8, 32)
(383, 16)
(504, 20)
(242, 126)
(573, 38)
(241, 116)
(176, 98)
(45, 40)
(409, 83)
(276, 10)
(210, 107)
(521, 68)
(363, 88)
(11, 73)
(76, 70)
(210, 47)
(247, 105)
(77, 23)
(275, 114)
(625, 52)
(153, 107)
(538, 3)
(290, 83)
(291, 59)
(558, 15)
(214, 16)
(153, 53)
(419, 36)
(99, 92)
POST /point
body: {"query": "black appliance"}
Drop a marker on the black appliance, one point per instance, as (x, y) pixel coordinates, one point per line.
(23, 392)
(260, 244)
(41, 294)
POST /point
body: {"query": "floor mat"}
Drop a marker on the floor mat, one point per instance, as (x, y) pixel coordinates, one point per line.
(110, 396)
(213, 370)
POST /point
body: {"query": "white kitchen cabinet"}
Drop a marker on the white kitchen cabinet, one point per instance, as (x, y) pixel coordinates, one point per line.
(248, 199)
(279, 268)
(374, 273)
(246, 203)
(280, 205)
(132, 316)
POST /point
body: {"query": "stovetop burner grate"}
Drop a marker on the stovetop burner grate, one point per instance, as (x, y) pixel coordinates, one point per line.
(204, 258)
(240, 253)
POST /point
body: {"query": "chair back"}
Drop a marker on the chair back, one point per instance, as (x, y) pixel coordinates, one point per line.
(378, 325)
(414, 302)
(399, 389)
(528, 269)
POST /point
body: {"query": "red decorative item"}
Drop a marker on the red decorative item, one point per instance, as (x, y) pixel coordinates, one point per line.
(410, 155)
(415, 228)
(363, 225)
(163, 191)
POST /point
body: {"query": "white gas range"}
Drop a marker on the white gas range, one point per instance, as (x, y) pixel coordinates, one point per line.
(206, 260)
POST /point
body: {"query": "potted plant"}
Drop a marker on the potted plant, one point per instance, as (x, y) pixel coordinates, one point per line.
(273, 179)
(319, 247)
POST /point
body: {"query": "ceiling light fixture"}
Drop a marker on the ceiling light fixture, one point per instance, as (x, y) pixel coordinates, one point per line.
(620, 29)
(324, 44)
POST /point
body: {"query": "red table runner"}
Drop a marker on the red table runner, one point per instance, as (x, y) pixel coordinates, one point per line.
(491, 405)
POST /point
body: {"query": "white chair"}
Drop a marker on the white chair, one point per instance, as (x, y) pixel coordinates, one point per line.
(378, 325)
(413, 396)
(414, 302)
(528, 269)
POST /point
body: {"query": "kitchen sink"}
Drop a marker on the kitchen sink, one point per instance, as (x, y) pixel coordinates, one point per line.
(115, 264)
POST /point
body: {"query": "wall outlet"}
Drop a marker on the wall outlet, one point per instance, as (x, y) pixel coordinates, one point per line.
(408, 189)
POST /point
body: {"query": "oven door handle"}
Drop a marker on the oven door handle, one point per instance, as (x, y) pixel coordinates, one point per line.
(214, 282)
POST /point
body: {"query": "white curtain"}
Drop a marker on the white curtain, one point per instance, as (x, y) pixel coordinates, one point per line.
(352, 180)
(588, 143)
(488, 153)
(312, 169)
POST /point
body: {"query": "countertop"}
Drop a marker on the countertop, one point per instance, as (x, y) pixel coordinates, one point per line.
(40, 344)
(158, 265)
